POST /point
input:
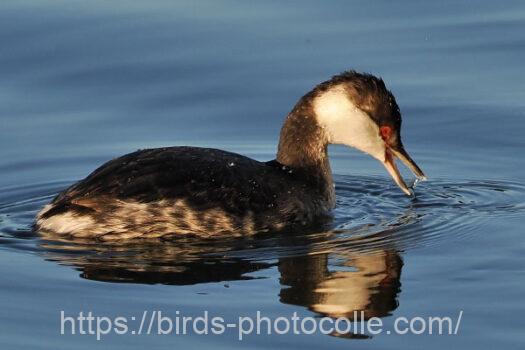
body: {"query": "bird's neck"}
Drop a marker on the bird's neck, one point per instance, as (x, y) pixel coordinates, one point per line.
(303, 145)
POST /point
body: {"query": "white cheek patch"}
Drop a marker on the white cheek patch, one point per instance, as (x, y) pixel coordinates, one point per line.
(346, 124)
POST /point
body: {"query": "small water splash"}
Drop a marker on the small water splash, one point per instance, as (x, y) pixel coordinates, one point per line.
(416, 181)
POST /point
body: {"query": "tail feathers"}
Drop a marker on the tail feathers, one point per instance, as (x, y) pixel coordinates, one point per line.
(64, 218)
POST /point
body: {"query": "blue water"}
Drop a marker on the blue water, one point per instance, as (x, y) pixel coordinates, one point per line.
(83, 82)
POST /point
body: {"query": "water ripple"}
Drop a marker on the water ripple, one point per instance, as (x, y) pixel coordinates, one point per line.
(371, 214)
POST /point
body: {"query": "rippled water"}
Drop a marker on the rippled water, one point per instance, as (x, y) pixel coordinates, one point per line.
(84, 82)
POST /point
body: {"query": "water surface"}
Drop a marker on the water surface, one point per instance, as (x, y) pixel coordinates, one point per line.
(84, 82)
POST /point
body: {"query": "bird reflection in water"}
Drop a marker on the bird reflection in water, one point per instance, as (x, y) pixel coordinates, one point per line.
(365, 285)
(335, 283)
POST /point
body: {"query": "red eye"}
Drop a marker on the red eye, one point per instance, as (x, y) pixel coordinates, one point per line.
(386, 131)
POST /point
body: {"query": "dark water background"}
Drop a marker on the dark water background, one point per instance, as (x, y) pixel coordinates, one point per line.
(83, 82)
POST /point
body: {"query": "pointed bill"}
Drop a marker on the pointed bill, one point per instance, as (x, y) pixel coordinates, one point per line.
(405, 158)
(392, 169)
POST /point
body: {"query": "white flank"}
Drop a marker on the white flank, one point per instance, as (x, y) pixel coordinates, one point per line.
(65, 223)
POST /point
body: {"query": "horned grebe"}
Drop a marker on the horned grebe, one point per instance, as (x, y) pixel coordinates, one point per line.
(201, 191)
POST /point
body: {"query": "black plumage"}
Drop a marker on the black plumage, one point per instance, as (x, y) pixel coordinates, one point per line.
(266, 193)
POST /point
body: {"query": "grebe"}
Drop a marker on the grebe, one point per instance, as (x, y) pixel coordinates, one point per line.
(161, 192)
